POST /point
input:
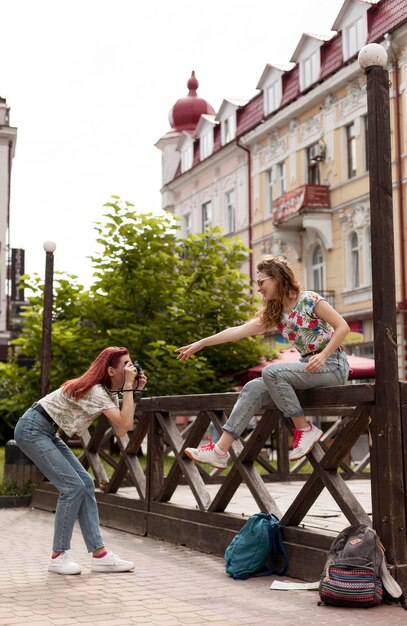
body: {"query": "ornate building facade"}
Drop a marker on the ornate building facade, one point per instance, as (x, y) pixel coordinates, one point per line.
(8, 137)
(287, 171)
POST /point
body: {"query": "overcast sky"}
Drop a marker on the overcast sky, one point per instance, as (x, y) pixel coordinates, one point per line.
(90, 84)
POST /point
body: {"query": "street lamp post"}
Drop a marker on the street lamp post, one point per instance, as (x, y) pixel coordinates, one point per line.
(387, 475)
(49, 247)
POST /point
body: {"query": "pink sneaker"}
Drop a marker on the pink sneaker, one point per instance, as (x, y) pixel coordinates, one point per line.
(303, 440)
(207, 454)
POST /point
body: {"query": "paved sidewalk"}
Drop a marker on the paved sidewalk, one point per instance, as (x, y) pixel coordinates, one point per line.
(171, 585)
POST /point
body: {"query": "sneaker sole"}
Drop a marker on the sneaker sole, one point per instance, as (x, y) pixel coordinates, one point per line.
(54, 571)
(296, 458)
(190, 456)
(110, 570)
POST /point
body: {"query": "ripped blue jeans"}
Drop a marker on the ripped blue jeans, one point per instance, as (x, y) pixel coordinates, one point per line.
(279, 382)
(39, 440)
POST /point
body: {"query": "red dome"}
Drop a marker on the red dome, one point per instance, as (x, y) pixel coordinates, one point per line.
(186, 112)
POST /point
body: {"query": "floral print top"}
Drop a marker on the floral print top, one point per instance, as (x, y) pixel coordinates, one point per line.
(74, 416)
(302, 327)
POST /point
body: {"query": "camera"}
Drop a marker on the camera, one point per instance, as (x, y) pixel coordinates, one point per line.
(138, 368)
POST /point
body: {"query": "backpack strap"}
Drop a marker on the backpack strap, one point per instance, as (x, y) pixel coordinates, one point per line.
(393, 591)
(277, 545)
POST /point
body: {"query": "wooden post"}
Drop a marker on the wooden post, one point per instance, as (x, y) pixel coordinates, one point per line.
(49, 248)
(389, 515)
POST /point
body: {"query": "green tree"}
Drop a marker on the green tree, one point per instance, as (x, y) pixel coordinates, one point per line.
(152, 292)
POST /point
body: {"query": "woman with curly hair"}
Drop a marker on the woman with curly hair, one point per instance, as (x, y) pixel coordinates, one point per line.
(310, 324)
(73, 407)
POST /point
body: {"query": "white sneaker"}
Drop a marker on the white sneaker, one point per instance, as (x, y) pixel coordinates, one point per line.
(207, 454)
(63, 564)
(111, 563)
(303, 440)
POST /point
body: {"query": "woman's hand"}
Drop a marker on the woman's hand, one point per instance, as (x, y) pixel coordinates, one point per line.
(315, 363)
(142, 381)
(134, 378)
(130, 373)
(186, 351)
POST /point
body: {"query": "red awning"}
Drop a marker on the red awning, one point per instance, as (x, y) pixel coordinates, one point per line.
(360, 367)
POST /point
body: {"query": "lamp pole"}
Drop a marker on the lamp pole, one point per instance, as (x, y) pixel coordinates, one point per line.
(388, 498)
(49, 247)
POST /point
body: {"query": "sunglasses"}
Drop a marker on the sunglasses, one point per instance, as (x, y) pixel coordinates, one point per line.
(260, 281)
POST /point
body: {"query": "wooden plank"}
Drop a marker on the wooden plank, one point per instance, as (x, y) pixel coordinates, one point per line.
(314, 486)
(283, 463)
(403, 412)
(187, 466)
(193, 438)
(129, 447)
(155, 458)
(389, 512)
(325, 396)
(338, 489)
(94, 461)
(243, 468)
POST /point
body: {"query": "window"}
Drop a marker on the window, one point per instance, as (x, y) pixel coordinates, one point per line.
(354, 260)
(273, 96)
(187, 224)
(230, 211)
(206, 215)
(367, 247)
(366, 138)
(318, 269)
(229, 129)
(206, 145)
(310, 70)
(313, 165)
(355, 37)
(269, 192)
(282, 188)
(187, 157)
(351, 149)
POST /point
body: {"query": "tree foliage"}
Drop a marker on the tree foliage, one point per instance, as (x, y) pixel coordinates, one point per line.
(152, 292)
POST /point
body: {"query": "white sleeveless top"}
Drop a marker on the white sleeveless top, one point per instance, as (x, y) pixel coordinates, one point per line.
(74, 416)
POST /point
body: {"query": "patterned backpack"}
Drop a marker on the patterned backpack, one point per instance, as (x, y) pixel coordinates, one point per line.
(355, 573)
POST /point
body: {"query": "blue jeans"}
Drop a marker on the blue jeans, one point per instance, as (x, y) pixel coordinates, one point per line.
(39, 440)
(279, 382)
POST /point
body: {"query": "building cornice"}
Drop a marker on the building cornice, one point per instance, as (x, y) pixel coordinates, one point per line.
(202, 167)
(9, 133)
(304, 103)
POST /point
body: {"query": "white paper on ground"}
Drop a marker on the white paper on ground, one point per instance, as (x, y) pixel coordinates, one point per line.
(284, 586)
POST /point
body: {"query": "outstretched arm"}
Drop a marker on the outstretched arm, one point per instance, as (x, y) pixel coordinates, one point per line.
(229, 334)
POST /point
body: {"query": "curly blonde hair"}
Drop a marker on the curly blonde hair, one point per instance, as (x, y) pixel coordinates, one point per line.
(277, 267)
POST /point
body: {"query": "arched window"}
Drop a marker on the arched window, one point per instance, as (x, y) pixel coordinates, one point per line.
(354, 260)
(318, 269)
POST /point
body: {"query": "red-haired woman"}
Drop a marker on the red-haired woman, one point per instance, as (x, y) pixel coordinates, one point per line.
(307, 321)
(73, 407)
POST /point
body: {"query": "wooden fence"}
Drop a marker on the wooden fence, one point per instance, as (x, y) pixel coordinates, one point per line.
(207, 526)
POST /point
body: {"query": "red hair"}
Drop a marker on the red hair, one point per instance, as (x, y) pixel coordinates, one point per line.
(96, 374)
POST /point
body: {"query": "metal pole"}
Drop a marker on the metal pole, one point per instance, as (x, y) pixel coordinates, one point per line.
(49, 248)
(388, 502)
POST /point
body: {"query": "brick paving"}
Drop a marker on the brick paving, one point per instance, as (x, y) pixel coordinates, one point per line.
(171, 585)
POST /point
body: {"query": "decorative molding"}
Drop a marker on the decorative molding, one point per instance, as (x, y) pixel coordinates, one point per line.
(293, 125)
(276, 145)
(354, 99)
(359, 217)
(310, 129)
(330, 101)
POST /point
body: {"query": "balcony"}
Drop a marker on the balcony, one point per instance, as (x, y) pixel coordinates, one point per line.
(329, 296)
(303, 199)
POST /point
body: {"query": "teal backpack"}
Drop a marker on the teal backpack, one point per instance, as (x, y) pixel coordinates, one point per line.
(254, 550)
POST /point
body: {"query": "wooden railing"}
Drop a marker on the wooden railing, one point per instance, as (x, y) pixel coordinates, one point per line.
(148, 509)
